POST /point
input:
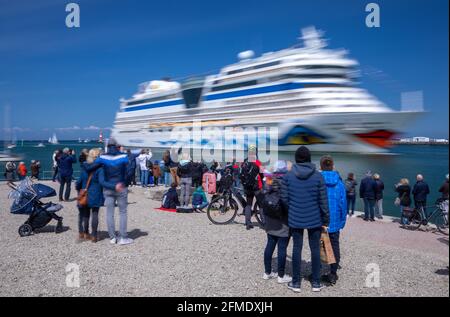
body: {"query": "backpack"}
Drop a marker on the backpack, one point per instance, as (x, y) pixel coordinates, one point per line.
(349, 186)
(149, 164)
(272, 205)
(249, 174)
(165, 202)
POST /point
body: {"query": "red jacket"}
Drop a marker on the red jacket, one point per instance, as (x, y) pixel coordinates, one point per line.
(22, 170)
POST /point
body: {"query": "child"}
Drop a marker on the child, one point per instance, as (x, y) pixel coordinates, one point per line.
(276, 226)
(170, 199)
(199, 199)
(337, 202)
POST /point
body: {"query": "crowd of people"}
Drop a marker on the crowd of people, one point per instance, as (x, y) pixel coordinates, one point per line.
(297, 197)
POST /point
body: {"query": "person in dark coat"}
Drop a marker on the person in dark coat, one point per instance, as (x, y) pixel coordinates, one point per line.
(65, 170)
(444, 189)
(304, 193)
(170, 199)
(420, 193)
(367, 191)
(131, 168)
(35, 169)
(277, 229)
(95, 198)
(379, 196)
(404, 197)
(350, 188)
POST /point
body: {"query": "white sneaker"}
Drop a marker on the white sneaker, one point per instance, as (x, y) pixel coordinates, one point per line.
(125, 241)
(285, 279)
(269, 276)
(113, 241)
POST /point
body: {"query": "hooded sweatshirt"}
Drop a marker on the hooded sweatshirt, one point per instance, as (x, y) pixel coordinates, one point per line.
(185, 169)
(304, 192)
(337, 201)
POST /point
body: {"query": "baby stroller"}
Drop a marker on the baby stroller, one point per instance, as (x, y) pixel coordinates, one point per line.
(26, 201)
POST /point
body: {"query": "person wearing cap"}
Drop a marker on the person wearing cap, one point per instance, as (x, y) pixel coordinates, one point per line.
(304, 193)
(337, 204)
(367, 192)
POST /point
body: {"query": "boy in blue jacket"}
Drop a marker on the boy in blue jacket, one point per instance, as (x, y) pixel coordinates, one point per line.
(337, 204)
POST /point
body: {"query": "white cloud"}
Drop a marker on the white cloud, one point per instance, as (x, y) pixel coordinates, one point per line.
(92, 128)
(74, 128)
(16, 129)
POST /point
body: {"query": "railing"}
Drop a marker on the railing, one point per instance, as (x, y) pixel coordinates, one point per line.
(44, 175)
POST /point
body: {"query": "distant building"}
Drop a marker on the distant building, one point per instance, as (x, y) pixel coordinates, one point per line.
(421, 139)
(441, 141)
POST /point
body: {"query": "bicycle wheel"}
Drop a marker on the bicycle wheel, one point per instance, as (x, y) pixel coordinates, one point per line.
(222, 211)
(416, 221)
(441, 222)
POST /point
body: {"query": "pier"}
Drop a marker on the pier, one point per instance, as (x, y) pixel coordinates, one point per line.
(186, 255)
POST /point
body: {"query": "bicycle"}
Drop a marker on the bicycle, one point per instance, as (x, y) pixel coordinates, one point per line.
(439, 217)
(223, 208)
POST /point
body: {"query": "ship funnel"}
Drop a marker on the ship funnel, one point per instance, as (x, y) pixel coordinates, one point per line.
(246, 55)
(312, 38)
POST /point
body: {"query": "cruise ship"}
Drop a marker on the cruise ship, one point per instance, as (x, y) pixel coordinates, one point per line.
(308, 93)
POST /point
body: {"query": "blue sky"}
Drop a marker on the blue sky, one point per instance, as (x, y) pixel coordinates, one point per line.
(70, 80)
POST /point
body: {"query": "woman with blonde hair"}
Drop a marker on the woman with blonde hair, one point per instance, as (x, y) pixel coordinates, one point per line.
(404, 197)
(95, 198)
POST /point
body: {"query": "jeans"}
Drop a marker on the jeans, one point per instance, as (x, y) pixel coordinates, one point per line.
(67, 182)
(248, 210)
(21, 178)
(111, 197)
(272, 242)
(150, 179)
(200, 207)
(185, 191)
(379, 208)
(351, 200)
(334, 239)
(421, 205)
(314, 245)
(167, 179)
(369, 208)
(144, 178)
(83, 220)
(403, 220)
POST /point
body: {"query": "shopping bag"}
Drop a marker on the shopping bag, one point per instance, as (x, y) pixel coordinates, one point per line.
(326, 250)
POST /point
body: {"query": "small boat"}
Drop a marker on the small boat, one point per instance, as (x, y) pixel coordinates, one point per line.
(79, 140)
(87, 141)
(11, 146)
(40, 145)
(53, 139)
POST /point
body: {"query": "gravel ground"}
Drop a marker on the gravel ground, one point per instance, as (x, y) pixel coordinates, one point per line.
(186, 255)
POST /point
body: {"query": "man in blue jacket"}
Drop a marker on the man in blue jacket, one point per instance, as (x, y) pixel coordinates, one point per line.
(420, 192)
(113, 179)
(337, 204)
(304, 193)
(367, 191)
(65, 168)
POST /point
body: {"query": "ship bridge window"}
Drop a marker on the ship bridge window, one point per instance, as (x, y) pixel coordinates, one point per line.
(235, 85)
(241, 70)
(324, 67)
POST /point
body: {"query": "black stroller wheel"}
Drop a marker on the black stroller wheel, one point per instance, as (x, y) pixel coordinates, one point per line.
(25, 230)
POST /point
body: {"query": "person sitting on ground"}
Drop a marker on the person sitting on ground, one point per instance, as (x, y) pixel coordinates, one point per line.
(337, 205)
(199, 199)
(305, 193)
(420, 192)
(276, 226)
(170, 198)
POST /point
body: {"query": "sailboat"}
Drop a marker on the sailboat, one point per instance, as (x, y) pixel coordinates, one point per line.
(53, 139)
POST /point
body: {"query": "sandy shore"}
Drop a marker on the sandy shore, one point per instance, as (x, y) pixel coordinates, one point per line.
(186, 255)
